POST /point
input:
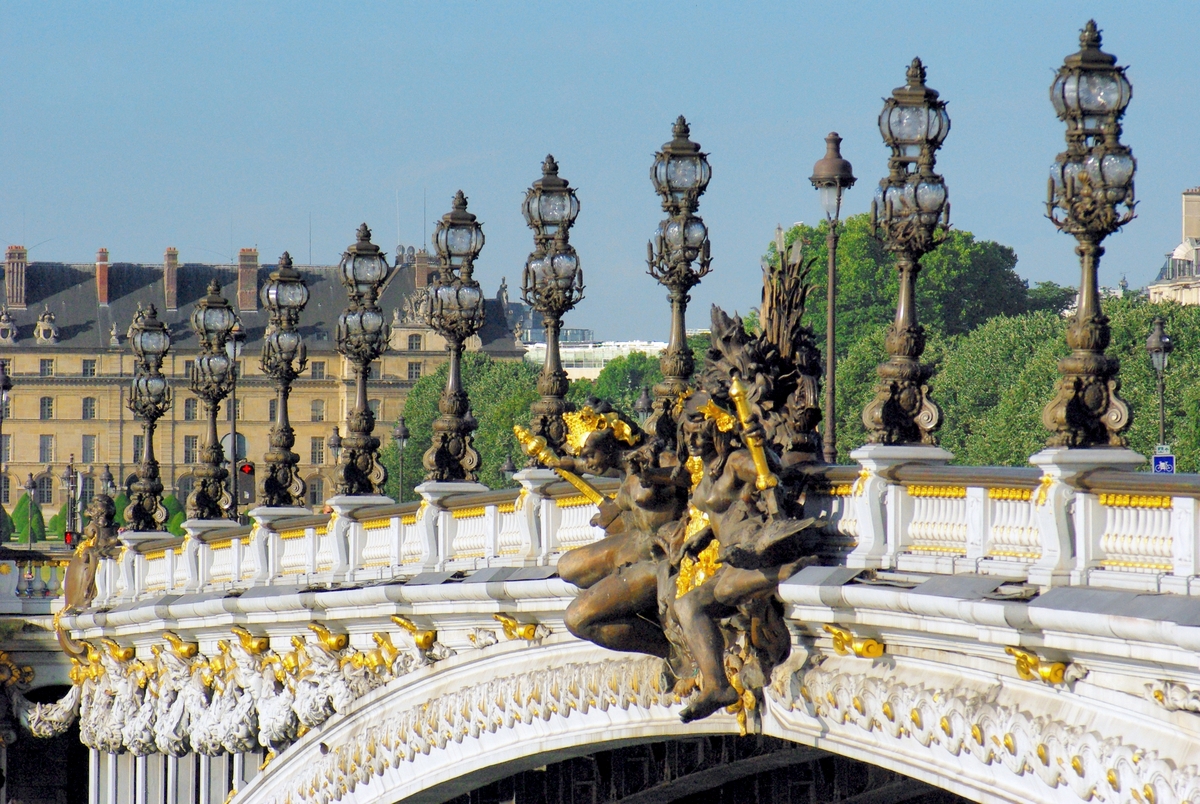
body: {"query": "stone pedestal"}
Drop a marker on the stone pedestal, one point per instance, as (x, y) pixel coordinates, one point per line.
(434, 550)
(883, 509)
(1068, 537)
(347, 541)
(267, 516)
(534, 483)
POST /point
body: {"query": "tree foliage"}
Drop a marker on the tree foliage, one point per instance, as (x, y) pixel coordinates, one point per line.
(7, 528)
(27, 520)
(500, 393)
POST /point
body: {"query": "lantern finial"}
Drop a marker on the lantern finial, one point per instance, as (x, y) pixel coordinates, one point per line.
(681, 130)
(460, 201)
(549, 167)
(364, 233)
(1089, 37)
(916, 74)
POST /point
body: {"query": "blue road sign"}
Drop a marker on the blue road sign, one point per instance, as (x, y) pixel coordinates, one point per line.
(1164, 464)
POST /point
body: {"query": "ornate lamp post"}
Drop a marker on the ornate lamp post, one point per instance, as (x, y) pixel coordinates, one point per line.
(1159, 346)
(233, 350)
(6, 385)
(283, 358)
(400, 434)
(831, 176)
(149, 400)
(680, 175)
(68, 478)
(362, 336)
(1090, 197)
(212, 380)
(454, 309)
(910, 208)
(552, 285)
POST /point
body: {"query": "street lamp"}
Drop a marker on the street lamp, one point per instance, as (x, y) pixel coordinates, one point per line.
(454, 308)
(643, 406)
(1159, 346)
(912, 214)
(400, 435)
(831, 176)
(552, 285)
(30, 489)
(362, 336)
(149, 401)
(284, 357)
(212, 380)
(680, 175)
(508, 468)
(334, 442)
(233, 351)
(6, 385)
(1090, 196)
(68, 478)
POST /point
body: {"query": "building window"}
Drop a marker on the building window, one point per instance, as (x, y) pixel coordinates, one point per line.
(184, 486)
(46, 408)
(317, 450)
(316, 491)
(318, 410)
(46, 449)
(191, 449)
(89, 449)
(318, 370)
(7, 409)
(233, 410)
(191, 408)
(414, 371)
(89, 368)
(5, 489)
(87, 489)
(89, 407)
(46, 367)
(414, 343)
(139, 448)
(45, 490)
(272, 410)
(373, 404)
(188, 367)
(5, 448)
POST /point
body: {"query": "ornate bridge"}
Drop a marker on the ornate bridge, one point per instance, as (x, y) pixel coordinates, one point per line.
(1003, 635)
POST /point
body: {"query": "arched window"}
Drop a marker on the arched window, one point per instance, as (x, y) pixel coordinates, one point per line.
(318, 410)
(183, 487)
(374, 405)
(316, 491)
(45, 490)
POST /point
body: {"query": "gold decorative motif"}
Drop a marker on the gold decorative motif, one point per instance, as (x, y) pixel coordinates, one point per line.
(295, 533)
(1012, 554)
(1043, 489)
(1077, 765)
(322, 530)
(1135, 501)
(581, 425)
(1043, 754)
(118, 652)
(1138, 565)
(977, 733)
(515, 505)
(1031, 668)
(5, 568)
(154, 555)
(766, 479)
(915, 717)
(574, 501)
(842, 490)
(380, 523)
(845, 642)
(473, 512)
(887, 712)
(180, 647)
(695, 571)
(517, 630)
(1149, 794)
(945, 492)
(11, 674)
(333, 642)
(722, 418)
(254, 645)
(1010, 744)
(1114, 781)
(945, 724)
(695, 467)
(1011, 494)
(422, 637)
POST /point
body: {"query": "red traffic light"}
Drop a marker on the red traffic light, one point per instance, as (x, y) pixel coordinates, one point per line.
(246, 468)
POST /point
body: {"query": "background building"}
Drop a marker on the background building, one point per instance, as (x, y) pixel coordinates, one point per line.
(1179, 279)
(63, 334)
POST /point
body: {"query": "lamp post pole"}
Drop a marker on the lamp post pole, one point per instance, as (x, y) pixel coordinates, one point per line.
(30, 489)
(284, 357)
(1159, 346)
(362, 336)
(400, 434)
(552, 285)
(6, 385)
(680, 175)
(233, 350)
(454, 309)
(831, 176)
(212, 380)
(911, 211)
(1090, 196)
(149, 401)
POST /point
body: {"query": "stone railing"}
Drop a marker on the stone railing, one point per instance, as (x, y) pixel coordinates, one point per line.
(1105, 527)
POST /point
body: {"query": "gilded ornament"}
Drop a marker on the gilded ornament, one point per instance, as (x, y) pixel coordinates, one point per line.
(845, 643)
(1030, 668)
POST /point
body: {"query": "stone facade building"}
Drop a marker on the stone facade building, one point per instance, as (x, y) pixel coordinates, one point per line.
(63, 334)
(1179, 279)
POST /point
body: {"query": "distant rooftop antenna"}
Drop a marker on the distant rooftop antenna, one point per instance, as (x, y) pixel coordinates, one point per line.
(424, 216)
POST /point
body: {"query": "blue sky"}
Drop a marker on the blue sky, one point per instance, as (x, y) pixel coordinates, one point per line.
(137, 126)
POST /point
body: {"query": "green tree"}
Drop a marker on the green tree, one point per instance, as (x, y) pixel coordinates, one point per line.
(1050, 297)
(500, 393)
(621, 380)
(7, 528)
(27, 519)
(120, 502)
(57, 526)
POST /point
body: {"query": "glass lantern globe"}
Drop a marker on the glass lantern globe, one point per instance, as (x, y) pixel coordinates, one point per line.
(285, 290)
(831, 176)
(1089, 87)
(913, 118)
(213, 318)
(550, 204)
(680, 169)
(149, 338)
(458, 237)
(363, 267)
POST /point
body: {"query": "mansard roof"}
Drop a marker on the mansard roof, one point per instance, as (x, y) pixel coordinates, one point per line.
(69, 292)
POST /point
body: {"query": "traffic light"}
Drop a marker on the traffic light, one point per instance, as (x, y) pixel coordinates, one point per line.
(246, 485)
(70, 537)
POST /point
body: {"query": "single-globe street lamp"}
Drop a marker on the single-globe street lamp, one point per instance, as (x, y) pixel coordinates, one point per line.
(680, 174)
(1090, 196)
(233, 351)
(30, 489)
(508, 468)
(552, 285)
(400, 434)
(362, 336)
(911, 212)
(831, 176)
(6, 385)
(454, 308)
(68, 478)
(149, 401)
(212, 379)
(643, 406)
(284, 357)
(1159, 346)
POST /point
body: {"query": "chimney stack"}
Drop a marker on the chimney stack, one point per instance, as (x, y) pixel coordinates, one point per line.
(171, 277)
(247, 280)
(15, 260)
(102, 277)
(423, 266)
